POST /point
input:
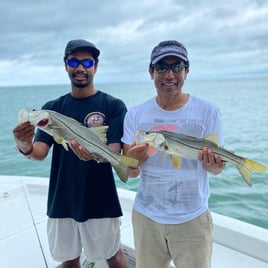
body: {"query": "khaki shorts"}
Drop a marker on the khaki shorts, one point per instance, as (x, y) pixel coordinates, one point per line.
(99, 238)
(189, 245)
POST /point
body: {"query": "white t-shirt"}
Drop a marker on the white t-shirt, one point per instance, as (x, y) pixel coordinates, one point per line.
(165, 194)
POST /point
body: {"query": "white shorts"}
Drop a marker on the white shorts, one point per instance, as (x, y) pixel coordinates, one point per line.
(99, 238)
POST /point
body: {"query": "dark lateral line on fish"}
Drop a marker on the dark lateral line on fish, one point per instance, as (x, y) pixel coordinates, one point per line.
(197, 149)
(81, 137)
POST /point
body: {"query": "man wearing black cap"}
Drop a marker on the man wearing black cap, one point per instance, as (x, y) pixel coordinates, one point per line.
(171, 221)
(83, 205)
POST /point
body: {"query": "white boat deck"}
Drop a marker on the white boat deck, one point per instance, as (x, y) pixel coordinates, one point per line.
(23, 240)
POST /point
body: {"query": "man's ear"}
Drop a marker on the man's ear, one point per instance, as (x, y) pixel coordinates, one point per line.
(95, 68)
(186, 73)
(151, 72)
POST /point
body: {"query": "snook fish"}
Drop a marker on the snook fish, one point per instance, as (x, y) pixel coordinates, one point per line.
(182, 146)
(63, 129)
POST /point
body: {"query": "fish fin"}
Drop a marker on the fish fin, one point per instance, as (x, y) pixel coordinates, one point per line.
(65, 145)
(176, 161)
(245, 173)
(254, 166)
(100, 132)
(248, 167)
(213, 138)
(62, 141)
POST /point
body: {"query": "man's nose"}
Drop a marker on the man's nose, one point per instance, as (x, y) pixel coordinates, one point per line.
(169, 72)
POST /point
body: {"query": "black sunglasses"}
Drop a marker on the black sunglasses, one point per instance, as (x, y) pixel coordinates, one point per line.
(163, 67)
(74, 63)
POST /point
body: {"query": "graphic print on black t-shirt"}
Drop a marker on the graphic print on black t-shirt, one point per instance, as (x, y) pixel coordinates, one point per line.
(95, 119)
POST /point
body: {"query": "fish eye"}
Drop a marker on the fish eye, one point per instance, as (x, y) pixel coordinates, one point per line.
(43, 122)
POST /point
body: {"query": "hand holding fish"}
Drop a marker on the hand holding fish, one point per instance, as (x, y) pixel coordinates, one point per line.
(213, 163)
(81, 152)
(139, 152)
(23, 134)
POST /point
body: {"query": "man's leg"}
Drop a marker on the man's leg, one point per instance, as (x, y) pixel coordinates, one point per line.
(150, 242)
(190, 243)
(64, 242)
(117, 261)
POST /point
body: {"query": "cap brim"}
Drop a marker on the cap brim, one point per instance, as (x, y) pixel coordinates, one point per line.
(155, 60)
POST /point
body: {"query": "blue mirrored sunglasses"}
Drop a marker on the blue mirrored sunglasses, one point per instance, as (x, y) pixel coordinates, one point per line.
(163, 67)
(74, 63)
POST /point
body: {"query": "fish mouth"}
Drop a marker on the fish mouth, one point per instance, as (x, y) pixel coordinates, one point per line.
(39, 118)
(36, 118)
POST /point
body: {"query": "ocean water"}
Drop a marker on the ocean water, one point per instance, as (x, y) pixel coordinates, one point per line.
(244, 108)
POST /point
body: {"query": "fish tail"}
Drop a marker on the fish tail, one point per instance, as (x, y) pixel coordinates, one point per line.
(254, 166)
(121, 171)
(124, 163)
(129, 161)
(248, 167)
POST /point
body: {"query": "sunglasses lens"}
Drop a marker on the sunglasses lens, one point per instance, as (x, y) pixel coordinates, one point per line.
(87, 63)
(177, 67)
(73, 63)
(161, 67)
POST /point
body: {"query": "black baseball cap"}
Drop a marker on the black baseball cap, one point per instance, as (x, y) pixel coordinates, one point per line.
(80, 44)
(169, 48)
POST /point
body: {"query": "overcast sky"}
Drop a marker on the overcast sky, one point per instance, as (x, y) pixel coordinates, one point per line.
(224, 38)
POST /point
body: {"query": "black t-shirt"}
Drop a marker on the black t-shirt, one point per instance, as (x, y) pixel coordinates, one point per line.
(78, 189)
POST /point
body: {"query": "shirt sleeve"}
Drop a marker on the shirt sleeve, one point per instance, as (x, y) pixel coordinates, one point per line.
(115, 121)
(129, 129)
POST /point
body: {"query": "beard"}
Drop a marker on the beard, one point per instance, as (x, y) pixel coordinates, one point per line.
(80, 83)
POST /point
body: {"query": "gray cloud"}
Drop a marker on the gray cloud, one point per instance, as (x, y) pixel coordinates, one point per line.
(224, 39)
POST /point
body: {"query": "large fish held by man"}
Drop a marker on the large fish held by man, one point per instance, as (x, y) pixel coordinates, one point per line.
(63, 129)
(182, 146)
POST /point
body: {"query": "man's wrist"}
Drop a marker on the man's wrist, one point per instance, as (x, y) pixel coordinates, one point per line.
(27, 152)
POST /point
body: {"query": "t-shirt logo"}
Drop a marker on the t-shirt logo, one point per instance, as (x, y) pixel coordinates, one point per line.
(95, 119)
